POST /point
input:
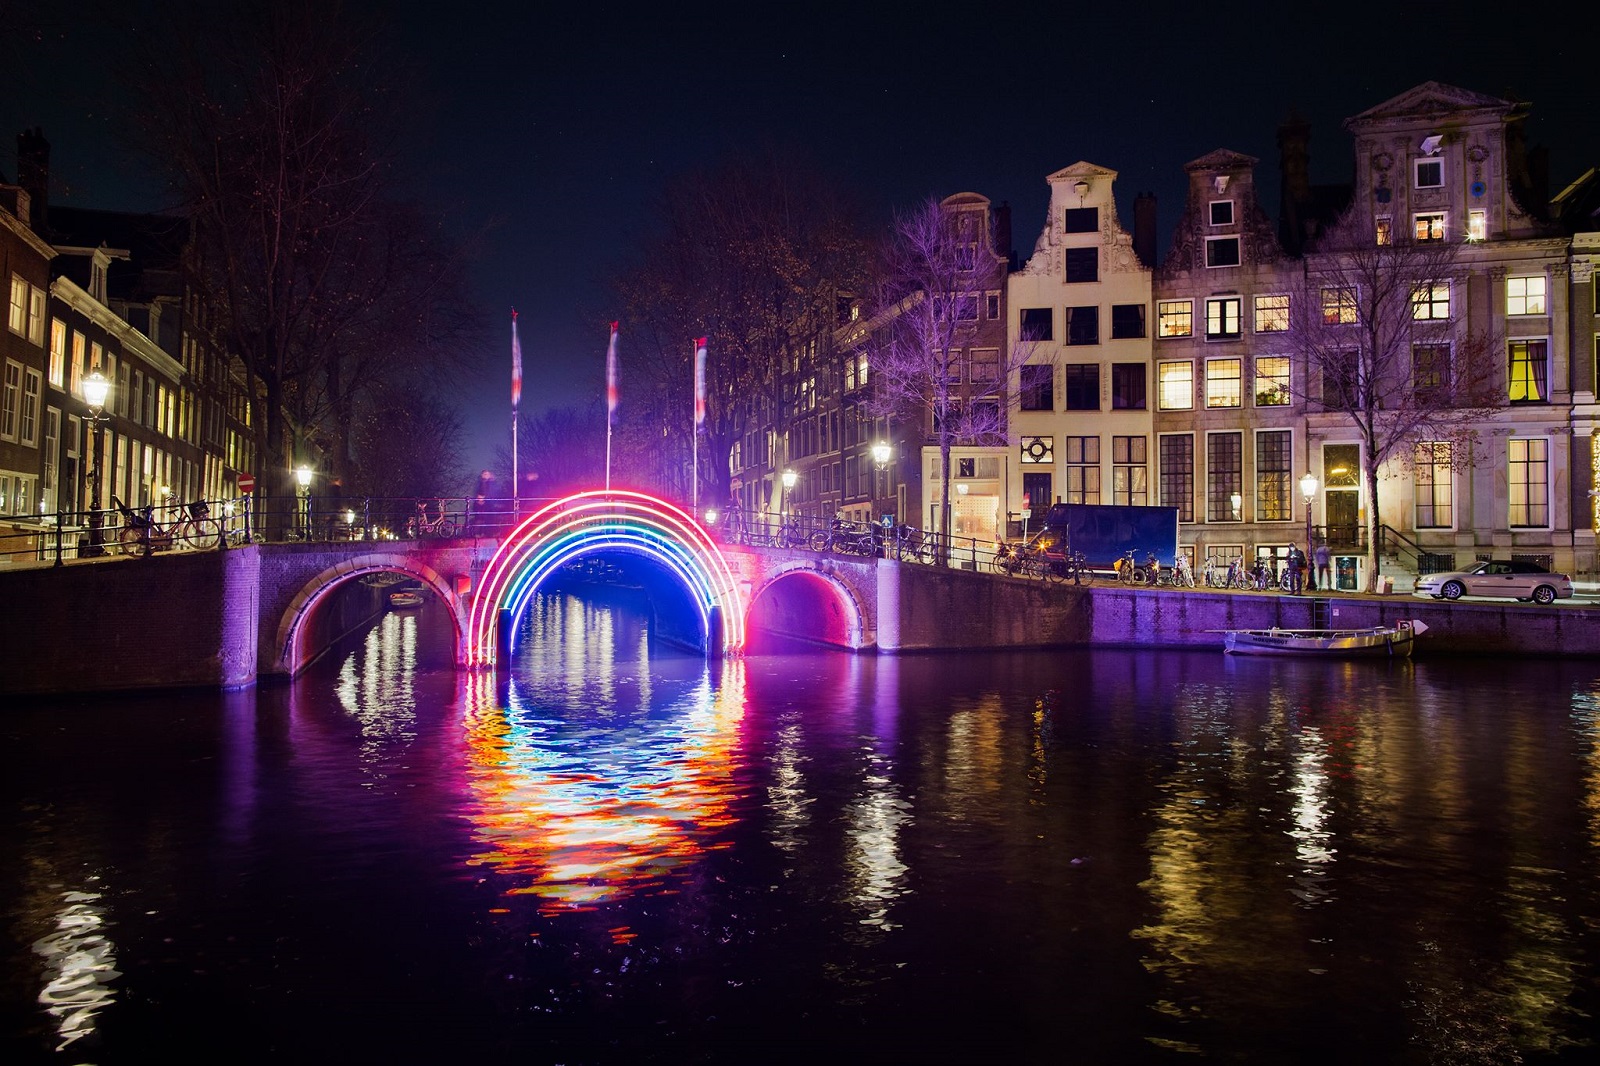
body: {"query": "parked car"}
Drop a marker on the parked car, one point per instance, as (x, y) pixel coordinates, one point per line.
(1498, 577)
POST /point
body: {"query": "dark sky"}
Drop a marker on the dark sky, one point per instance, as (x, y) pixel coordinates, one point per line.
(564, 121)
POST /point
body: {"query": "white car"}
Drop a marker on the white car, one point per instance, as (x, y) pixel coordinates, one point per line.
(1498, 577)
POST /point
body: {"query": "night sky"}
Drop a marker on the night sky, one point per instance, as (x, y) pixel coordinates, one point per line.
(564, 123)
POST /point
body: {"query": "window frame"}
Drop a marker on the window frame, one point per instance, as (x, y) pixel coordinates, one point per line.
(1074, 333)
(1270, 314)
(1530, 360)
(1219, 504)
(1211, 212)
(1536, 512)
(1426, 476)
(1429, 227)
(1123, 374)
(1175, 479)
(1217, 397)
(1220, 241)
(1169, 313)
(1164, 383)
(1073, 261)
(1223, 303)
(1045, 397)
(1080, 382)
(1278, 384)
(1525, 297)
(1427, 161)
(1426, 303)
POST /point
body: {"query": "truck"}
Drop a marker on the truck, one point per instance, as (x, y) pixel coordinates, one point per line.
(1105, 532)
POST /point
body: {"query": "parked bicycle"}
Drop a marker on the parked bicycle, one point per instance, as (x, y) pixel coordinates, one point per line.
(440, 524)
(904, 543)
(143, 532)
(845, 538)
(1182, 576)
(1130, 571)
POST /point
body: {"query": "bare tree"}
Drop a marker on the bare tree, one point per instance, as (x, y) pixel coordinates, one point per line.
(929, 308)
(1381, 329)
(753, 256)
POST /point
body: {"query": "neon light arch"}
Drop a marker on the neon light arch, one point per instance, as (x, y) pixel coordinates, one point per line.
(595, 521)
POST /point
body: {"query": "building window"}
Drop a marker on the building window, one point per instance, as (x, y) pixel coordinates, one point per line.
(1174, 318)
(58, 353)
(1128, 386)
(1272, 314)
(1083, 470)
(1127, 320)
(1429, 227)
(1177, 474)
(1038, 451)
(1525, 296)
(1224, 475)
(36, 315)
(1338, 307)
(1530, 372)
(1272, 381)
(28, 430)
(1273, 462)
(1430, 370)
(1385, 230)
(1434, 484)
(19, 304)
(1223, 316)
(967, 307)
(1083, 325)
(985, 365)
(1431, 301)
(992, 306)
(1083, 386)
(1341, 380)
(1036, 386)
(1527, 477)
(1222, 251)
(10, 401)
(1223, 383)
(1081, 220)
(1177, 385)
(1037, 324)
(1430, 173)
(1130, 472)
(1477, 225)
(1222, 212)
(1083, 264)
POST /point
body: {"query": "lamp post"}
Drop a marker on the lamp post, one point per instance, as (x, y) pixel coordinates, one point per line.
(302, 477)
(1308, 490)
(96, 390)
(789, 478)
(880, 458)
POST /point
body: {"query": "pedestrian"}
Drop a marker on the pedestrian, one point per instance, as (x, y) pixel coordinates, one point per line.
(479, 519)
(1297, 567)
(1324, 581)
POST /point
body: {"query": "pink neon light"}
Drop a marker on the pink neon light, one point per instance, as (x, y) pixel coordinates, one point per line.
(569, 516)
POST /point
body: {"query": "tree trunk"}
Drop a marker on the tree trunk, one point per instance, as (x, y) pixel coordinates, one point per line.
(1370, 469)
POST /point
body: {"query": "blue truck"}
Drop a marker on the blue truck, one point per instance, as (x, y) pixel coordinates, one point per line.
(1104, 533)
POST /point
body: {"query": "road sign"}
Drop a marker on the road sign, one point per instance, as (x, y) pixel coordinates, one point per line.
(247, 484)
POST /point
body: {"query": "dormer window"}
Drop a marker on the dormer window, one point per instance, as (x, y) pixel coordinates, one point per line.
(1222, 212)
(1430, 173)
(1081, 220)
(1222, 251)
(97, 280)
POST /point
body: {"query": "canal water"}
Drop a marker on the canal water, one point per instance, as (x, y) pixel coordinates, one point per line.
(625, 855)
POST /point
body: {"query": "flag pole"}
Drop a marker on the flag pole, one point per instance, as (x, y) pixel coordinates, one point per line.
(699, 420)
(611, 397)
(516, 400)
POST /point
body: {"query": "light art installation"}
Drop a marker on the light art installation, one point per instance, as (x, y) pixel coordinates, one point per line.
(587, 522)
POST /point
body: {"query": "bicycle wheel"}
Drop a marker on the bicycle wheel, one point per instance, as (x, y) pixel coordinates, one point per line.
(132, 542)
(446, 527)
(819, 541)
(203, 534)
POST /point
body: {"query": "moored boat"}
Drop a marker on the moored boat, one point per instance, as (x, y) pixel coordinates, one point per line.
(405, 598)
(1391, 641)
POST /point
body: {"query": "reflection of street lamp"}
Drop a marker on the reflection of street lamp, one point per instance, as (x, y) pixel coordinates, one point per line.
(302, 477)
(1237, 501)
(789, 478)
(96, 390)
(1308, 489)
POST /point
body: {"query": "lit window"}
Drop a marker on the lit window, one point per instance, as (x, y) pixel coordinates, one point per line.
(58, 353)
(1222, 251)
(1272, 314)
(1430, 370)
(1525, 296)
(1222, 317)
(1130, 471)
(1430, 227)
(1083, 470)
(1174, 318)
(1430, 173)
(1338, 307)
(1177, 385)
(1385, 230)
(1528, 479)
(1222, 212)
(1223, 385)
(1272, 380)
(1529, 373)
(1477, 225)
(19, 304)
(1431, 301)
(1274, 470)
(1434, 484)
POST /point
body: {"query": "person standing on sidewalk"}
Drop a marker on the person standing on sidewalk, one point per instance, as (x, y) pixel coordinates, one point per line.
(1297, 569)
(1324, 580)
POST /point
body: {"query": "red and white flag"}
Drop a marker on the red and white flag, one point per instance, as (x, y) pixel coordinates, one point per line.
(516, 363)
(700, 382)
(611, 374)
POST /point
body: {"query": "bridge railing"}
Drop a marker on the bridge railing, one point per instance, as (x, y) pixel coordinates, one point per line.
(768, 529)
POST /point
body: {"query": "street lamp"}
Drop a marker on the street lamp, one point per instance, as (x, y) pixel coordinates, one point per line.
(881, 452)
(789, 478)
(302, 476)
(96, 390)
(1308, 489)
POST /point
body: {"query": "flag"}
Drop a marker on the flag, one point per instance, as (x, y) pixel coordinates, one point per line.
(700, 382)
(611, 374)
(516, 363)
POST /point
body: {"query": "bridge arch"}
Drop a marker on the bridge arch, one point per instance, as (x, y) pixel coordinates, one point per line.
(292, 656)
(589, 522)
(800, 597)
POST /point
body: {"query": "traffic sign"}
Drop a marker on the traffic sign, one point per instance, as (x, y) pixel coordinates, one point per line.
(247, 484)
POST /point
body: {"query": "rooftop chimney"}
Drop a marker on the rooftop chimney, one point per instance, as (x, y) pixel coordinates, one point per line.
(1144, 228)
(33, 174)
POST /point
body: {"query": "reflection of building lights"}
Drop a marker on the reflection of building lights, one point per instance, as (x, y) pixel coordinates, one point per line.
(79, 965)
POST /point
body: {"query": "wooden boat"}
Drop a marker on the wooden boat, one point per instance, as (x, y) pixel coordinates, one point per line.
(1392, 641)
(405, 598)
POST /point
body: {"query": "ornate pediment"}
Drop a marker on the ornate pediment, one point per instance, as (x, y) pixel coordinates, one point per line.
(1081, 169)
(1430, 100)
(1221, 159)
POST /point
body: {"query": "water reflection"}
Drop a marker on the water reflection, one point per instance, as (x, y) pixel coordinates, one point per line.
(79, 965)
(606, 780)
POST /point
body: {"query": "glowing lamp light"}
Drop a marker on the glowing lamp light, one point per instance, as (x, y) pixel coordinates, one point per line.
(789, 478)
(711, 516)
(880, 454)
(303, 476)
(349, 518)
(96, 389)
(1237, 501)
(1308, 487)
